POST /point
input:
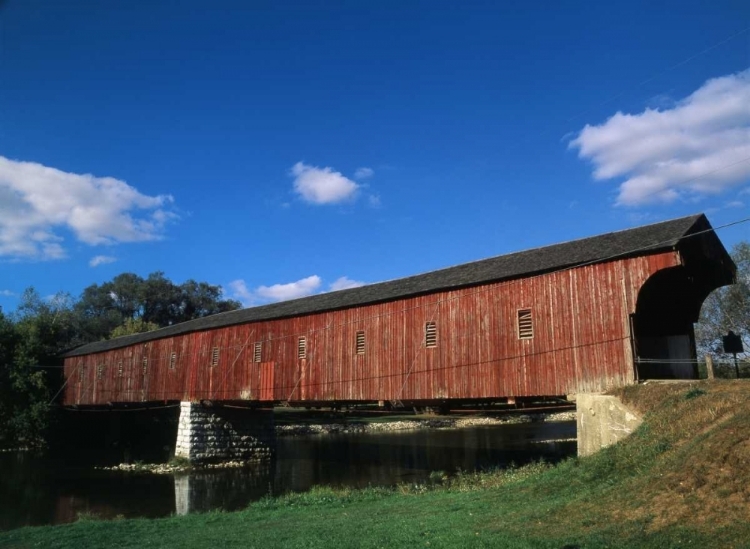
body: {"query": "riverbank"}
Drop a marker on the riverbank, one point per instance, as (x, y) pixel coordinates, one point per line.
(681, 480)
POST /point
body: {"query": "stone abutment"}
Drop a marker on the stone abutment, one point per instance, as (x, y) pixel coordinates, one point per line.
(209, 434)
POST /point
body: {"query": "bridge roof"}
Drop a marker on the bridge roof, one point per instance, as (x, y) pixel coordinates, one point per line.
(642, 240)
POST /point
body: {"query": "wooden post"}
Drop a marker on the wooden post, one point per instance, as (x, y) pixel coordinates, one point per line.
(709, 367)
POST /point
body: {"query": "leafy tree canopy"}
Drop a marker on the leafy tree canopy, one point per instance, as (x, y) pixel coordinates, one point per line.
(134, 326)
(154, 300)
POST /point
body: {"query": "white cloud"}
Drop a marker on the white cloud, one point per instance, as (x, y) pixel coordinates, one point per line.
(374, 200)
(7, 293)
(700, 146)
(292, 290)
(241, 292)
(322, 185)
(283, 292)
(37, 202)
(277, 292)
(363, 173)
(344, 283)
(101, 260)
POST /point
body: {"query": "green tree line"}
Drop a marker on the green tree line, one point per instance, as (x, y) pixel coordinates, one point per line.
(33, 337)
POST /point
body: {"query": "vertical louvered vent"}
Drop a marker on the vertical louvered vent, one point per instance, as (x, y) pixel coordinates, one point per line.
(99, 371)
(257, 351)
(119, 369)
(81, 372)
(430, 334)
(145, 366)
(214, 356)
(360, 342)
(525, 324)
(172, 360)
(302, 347)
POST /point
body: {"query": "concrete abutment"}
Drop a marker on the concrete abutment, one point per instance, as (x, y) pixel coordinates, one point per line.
(602, 420)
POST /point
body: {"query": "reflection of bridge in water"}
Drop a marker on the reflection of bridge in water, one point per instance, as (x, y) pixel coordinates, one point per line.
(57, 487)
(564, 319)
(362, 460)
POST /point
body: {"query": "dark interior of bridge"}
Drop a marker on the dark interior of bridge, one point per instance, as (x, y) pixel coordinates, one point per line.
(669, 303)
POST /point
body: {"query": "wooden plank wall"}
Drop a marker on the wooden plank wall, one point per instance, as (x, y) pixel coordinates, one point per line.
(581, 343)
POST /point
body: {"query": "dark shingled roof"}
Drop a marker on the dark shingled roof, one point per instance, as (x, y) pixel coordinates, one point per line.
(649, 238)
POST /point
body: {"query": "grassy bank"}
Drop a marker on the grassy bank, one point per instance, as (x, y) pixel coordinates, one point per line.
(682, 480)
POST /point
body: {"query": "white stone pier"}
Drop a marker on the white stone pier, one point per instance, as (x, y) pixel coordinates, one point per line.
(215, 434)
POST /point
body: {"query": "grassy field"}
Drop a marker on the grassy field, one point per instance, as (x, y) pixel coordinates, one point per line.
(682, 480)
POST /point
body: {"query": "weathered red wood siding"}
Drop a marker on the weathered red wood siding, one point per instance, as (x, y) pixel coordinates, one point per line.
(581, 343)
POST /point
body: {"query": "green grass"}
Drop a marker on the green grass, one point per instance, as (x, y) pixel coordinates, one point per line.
(680, 481)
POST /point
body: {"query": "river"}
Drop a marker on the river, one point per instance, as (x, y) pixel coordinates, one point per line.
(43, 489)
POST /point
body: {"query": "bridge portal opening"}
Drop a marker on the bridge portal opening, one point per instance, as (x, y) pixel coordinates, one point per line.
(669, 304)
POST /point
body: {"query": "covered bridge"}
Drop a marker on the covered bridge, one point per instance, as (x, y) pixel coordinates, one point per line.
(580, 316)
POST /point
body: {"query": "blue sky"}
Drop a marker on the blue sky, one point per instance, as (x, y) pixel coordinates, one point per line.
(286, 148)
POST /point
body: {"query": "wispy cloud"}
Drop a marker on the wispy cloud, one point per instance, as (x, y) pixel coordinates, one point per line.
(240, 291)
(661, 101)
(322, 185)
(276, 292)
(698, 147)
(344, 283)
(374, 201)
(283, 292)
(291, 290)
(363, 173)
(7, 293)
(101, 260)
(37, 202)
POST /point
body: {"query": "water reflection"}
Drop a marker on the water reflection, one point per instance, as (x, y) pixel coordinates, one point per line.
(55, 490)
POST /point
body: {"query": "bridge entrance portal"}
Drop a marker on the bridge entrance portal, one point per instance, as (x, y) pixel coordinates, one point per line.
(669, 303)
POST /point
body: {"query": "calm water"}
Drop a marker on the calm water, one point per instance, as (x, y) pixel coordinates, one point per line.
(48, 490)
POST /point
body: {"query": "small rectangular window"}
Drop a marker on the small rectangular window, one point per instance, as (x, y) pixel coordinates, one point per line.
(119, 369)
(525, 324)
(430, 334)
(302, 347)
(360, 342)
(145, 366)
(215, 356)
(99, 371)
(257, 351)
(172, 360)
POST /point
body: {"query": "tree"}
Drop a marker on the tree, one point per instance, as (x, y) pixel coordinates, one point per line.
(97, 312)
(30, 347)
(160, 299)
(155, 300)
(199, 299)
(8, 397)
(727, 308)
(134, 326)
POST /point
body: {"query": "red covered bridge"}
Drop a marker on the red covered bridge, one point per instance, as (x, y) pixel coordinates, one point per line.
(574, 317)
